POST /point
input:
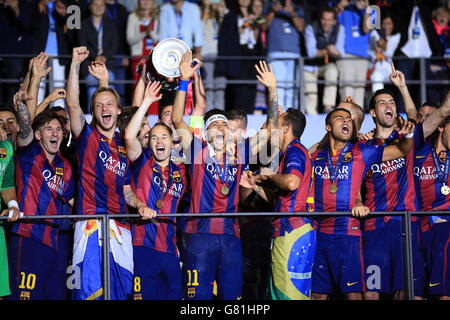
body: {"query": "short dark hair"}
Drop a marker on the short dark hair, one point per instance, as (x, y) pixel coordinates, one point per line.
(297, 120)
(237, 114)
(162, 124)
(125, 117)
(45, 117)
(212, 112)
(430, 104)
(6, 108)
(328, 117)
(168, 99)
(376, 94)
(328, 9)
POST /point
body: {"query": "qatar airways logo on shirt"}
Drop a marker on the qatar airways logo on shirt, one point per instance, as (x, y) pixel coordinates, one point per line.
(54, 181)
(387, 166)
(324, 173)
(231, 175)
(426, 172)
(112, 164)
(175, 189)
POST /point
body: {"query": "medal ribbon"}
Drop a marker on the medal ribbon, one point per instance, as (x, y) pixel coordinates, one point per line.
(335, 169)
(222, 174)
(169, 181)
(442, 175)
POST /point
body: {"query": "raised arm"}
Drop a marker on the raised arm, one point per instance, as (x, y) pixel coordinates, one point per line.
(434, 120)
(38, 72)
(267, 78)
(398, 79)
(98, 70)
(134, 148)
(200, 94)
(138, 94)
(56, 94)
(25, 134)
(76, 115)
(187, 71)
(402, 147)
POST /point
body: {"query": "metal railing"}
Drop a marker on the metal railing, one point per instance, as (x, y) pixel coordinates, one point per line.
(406, 234)
(298, 81)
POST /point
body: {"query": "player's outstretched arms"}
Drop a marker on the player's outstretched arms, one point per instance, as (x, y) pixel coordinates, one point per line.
(133, 201)
(134, 148)
(403, 147)
(434, 120)
(186, 71)
(76, 115)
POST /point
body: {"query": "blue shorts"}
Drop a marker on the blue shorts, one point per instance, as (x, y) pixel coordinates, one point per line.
(208, 258)
(157, 275)
(37, 271)
(338, 264)
(439, 255)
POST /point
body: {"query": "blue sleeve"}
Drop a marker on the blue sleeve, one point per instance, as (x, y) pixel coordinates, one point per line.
(419, 139)
(371, 153)
(295, 159)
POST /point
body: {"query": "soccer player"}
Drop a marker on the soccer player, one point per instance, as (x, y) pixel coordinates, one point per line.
(160, 183)
(44, 184)
(211, 246)
(339, 169)
(103, 188)
(431, 176)
(294, 239)
(8, 196)
(389, 186)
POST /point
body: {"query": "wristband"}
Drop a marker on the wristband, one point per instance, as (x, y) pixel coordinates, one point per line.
(13, 203)
(196, 122)
(409, 135)
(183, 85)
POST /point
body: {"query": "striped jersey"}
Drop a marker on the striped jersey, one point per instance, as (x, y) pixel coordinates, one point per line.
(297, 161)
(151, 183)
(427, 182)
(43, 188)
(389, 186)
(206, 185)
(103, 168)
(355, 163)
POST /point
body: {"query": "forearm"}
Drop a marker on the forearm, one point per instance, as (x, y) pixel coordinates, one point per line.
(200, 96)
(131, 199)
(76, 115)
(25, 134)
(286, 181)
(42, 106)
(272, 108)
(410, 107)
(299, 23)
(8, 195)
(398, 150)
(32, 92)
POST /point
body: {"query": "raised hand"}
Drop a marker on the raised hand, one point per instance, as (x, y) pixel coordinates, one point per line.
(186, 68)
(265, 75)
(57, 93)
(405, 126)
(152, 91)
(79, 54)
(397, 77)
(98, 70)
(38, 68)
(248, 180)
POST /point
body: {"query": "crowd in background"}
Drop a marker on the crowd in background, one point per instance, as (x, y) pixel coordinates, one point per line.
(323, 32)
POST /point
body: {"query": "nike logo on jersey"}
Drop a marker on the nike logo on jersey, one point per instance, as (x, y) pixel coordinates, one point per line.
(350, 284)
(433, 284)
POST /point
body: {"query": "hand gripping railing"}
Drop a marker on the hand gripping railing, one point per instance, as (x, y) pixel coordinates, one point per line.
(406, 234)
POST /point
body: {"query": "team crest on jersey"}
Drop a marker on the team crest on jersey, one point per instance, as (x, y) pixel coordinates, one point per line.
(348, 157)
(59, 171)
(191, 292)
(176, 176)
(233, 160)
(3, 153)
(442, 156)
(122, 151)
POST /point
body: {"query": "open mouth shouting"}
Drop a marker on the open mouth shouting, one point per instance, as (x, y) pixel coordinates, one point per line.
(345, 129)
(160, 151)
(389, 114)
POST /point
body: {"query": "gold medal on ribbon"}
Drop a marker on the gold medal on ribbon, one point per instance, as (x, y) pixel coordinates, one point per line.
(159, 204)
(333, 189)
(224, 190)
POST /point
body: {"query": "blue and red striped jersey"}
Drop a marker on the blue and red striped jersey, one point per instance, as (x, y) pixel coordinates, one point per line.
(295, 160)
(103, 168)
(349, 178)
(389, 186)
(151, 183)
(427, 182)
(43, 188)
(206, 187)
